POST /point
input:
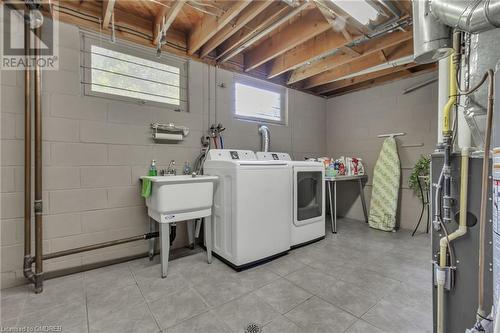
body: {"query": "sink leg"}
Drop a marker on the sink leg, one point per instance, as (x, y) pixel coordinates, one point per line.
(165, 247)
(190, 231)
(152, 241)
(208, 238)
(197, 228)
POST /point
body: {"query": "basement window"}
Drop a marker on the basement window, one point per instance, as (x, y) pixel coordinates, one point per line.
(260, 101)
(131, 73)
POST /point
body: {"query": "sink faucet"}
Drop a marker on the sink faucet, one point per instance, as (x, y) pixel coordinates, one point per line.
(171, 168)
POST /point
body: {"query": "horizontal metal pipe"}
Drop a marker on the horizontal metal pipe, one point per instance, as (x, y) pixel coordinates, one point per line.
(467, 15)
(174, 254)
(99, 246)
(420, 85)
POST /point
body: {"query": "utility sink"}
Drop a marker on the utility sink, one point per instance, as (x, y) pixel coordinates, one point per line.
(180, 198)
(176, 199)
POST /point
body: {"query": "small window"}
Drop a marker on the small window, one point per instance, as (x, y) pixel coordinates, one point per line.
(124, 72)
(259, 101)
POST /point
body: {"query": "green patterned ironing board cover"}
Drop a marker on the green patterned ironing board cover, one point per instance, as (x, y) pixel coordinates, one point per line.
(385, 191)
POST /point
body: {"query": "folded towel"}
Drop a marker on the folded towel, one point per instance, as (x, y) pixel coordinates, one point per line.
(146, 188)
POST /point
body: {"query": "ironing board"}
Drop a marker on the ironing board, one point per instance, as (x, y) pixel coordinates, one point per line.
(386, 178)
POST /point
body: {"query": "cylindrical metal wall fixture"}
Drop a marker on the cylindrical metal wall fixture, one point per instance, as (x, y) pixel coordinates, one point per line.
(27, 271)
(431, 39)
(38, 168)
(467, 15)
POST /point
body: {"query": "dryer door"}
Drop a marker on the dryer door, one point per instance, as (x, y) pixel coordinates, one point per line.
(308, 196)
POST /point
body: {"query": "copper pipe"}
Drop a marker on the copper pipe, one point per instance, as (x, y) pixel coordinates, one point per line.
(38, 168)
(484, 196)
(99, 245)
(28, 273)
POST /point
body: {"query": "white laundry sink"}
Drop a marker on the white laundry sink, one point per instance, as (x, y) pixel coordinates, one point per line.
(180, 198)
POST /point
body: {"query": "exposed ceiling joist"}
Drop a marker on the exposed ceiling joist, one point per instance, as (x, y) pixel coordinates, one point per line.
(165, 18)
(349, 51)
(339, 84)
(334, 60)
(276, 10)
(357, 65)
(305, 52)
(248, 14)
(210, 25)
(265, 27)
(388, 78)
(309, 25)
(107, 12)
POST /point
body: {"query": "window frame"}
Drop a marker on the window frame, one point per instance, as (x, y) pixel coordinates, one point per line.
(88, 39)
(261, 84)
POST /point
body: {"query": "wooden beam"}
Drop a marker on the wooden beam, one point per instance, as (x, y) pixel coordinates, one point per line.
(368, 47)
(107, 11)
(248, 14)
(339, 84)
(301, 54)
(422, 69)
(276, 10)
(165, 18)
(356, 65)
(308, 26)
(349, 51)
(140, 28)
(265, 31)
(210, 25)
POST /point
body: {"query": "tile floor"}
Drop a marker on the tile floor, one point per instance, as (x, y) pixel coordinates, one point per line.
(359, 280)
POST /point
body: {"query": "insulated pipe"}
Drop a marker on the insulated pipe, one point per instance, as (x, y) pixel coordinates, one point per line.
(443, 93)
(470, 16)
(452, 97)
(28, 260)
(484, 196)
(38, 168)
(443, 243)
(265, 138)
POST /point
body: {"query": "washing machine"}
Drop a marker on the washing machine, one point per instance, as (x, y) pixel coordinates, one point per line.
(251, 214)
(307, 197)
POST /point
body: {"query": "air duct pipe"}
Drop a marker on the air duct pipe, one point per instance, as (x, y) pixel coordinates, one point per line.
(265, 138)
(431, 39)
(467, 15)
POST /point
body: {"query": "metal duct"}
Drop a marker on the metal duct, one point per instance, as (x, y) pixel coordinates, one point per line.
(467, 15)
(431, 39)
(265, 138)
(484, 55)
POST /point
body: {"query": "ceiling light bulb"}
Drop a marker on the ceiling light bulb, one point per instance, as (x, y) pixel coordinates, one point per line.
(360, 10)
(36, 19)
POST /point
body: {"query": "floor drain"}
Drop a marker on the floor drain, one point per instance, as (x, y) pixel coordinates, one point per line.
(253, 328)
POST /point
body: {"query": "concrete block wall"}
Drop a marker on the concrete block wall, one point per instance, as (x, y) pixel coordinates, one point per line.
(354, 121)
(95, 149)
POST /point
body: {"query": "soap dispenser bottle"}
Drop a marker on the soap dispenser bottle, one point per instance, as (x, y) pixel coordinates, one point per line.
(152, 169)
